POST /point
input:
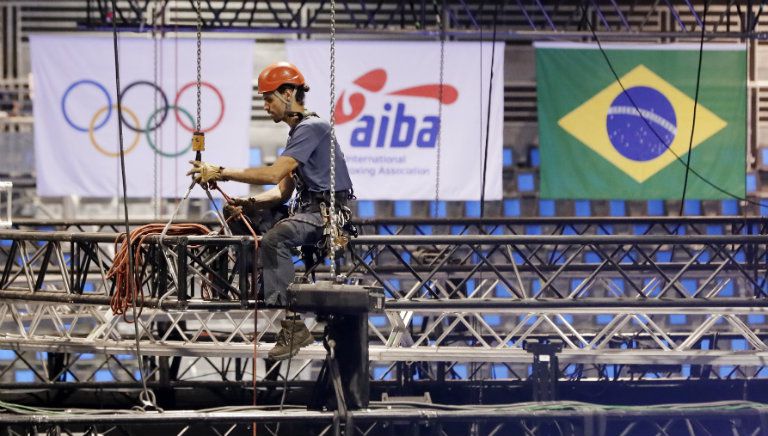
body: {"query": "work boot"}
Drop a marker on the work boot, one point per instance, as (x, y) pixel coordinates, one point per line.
(293, 336)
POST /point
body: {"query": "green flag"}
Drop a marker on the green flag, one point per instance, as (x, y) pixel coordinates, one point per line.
(603, 138)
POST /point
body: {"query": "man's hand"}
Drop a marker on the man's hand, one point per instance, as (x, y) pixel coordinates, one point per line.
(243, 201)
(204, 173)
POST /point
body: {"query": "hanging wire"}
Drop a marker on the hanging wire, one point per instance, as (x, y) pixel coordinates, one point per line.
(488, 115)
(695, 105)
(147, 397)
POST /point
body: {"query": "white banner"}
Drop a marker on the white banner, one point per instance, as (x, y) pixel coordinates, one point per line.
(387, 115)
(75, 110)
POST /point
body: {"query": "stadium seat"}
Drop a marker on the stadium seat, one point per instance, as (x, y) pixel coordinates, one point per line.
(511, 208)
(729, 207)
(547, 208)
(403, 209)
(437, 209)
(103, 375)
(526, 182)
(714, 229)
(509, 157)
(582, 208)
(751, 182)
(618, 208)
(692, 207)
(655, 207)
(472, 209)
(366, 209)
(534, 159)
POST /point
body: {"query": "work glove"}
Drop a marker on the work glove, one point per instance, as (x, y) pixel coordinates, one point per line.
(204, 173)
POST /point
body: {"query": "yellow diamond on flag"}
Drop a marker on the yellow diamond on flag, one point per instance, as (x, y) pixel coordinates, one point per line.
(626, 128)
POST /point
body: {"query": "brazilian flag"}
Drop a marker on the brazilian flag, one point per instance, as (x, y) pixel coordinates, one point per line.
(600, 141)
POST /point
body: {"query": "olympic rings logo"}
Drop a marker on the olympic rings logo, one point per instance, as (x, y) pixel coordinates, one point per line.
(156, 119)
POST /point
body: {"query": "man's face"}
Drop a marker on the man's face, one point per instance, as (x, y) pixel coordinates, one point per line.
(274, 107)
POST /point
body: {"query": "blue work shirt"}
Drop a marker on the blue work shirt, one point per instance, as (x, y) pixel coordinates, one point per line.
(309, 144)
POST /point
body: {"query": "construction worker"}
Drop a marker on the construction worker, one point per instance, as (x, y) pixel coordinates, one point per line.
(304, 167)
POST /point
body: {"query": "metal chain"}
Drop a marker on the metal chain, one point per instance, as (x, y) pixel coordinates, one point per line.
(332, 188)
(156, 72)
(440, 113)
(198, 126)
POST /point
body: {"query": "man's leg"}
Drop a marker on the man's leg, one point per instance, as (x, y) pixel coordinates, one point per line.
(278, 272)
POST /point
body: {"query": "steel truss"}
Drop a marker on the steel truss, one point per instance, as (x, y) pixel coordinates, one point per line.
(461, 306)
(516, 20)
(413, 419)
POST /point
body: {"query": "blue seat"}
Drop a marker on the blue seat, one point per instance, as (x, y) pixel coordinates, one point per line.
(500, 371)
(366, 209)
(678, 319)
(729, 207)
(692, 207)
(472, 209)
(103, 375)
(690, 285)
(751, 182)
(403, 209)
(738, 344)
(714, 229)
(437, 209)
(547, 208)
(603, 319)
(655, 207)
(534, 157)
(24, 376)
(618, 207)
(582, 208)
(509, 159)
(511, 208)
(461, 370)
(526, 182)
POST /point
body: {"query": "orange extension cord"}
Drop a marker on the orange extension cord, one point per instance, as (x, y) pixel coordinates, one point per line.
(122, 299)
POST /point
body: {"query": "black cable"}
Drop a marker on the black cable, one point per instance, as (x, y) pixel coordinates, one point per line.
(655, 133)
(131, 277)
(488, 114)
(695, 106)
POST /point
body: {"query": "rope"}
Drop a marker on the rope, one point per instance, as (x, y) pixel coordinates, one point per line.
(332, 187)
(128, 297)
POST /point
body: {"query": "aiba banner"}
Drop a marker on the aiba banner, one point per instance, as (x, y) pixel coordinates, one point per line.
(604, 138)
(75, 112)
(388, 115)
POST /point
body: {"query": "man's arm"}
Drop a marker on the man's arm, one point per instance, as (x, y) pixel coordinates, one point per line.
(271, 175)
(277, 195)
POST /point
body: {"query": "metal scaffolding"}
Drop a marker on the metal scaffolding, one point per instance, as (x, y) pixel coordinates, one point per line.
(626, 300)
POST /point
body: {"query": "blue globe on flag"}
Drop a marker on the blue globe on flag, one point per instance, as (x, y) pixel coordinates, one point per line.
(629, 125)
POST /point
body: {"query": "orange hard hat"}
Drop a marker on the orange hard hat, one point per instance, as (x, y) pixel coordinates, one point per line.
(277, 74)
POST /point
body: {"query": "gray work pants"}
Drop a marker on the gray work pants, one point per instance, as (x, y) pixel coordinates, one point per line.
(276, 252)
